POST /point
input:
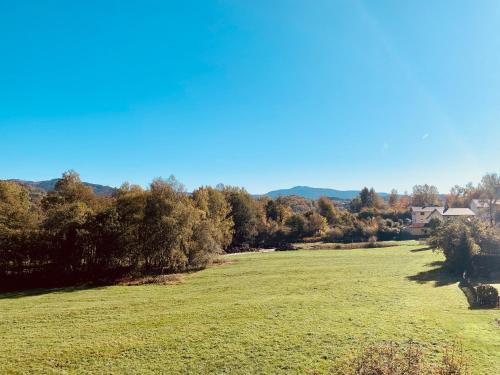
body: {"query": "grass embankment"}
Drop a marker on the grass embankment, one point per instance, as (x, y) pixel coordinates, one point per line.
(286, 312)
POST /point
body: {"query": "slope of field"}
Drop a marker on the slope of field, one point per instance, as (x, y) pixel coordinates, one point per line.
(286, 312)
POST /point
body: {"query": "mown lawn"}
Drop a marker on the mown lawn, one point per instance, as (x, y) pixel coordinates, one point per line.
(286, 312)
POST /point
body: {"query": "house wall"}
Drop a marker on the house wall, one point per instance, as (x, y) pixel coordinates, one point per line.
(419, 217)
(435, 215)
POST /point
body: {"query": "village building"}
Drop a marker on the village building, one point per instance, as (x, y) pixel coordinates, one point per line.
(421, 217)
(481, 208)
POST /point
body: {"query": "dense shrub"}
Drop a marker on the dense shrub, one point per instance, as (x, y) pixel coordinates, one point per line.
(328, 211)
(360, 231)
(462, 240)
(309, 224)
(487, 295)
(396, 215)
(388, 229)
(286, 247)
(368, 213)
(459, 244)
(372, 241)
(334, 234)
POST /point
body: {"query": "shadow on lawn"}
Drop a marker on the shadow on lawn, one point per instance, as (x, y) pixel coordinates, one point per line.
(439, 275)
(42, 291)
(421, 249)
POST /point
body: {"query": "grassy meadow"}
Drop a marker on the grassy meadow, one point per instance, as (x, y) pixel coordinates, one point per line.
(268, 313)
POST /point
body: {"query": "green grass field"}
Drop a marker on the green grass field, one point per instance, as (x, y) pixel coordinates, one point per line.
(284, 312)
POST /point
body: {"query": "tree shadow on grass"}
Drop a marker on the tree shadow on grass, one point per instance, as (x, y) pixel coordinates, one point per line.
(439, 275)
(426, 248)
(42, 291)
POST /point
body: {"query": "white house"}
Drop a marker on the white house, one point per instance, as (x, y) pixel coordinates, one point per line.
(451, 213)
(421, 216)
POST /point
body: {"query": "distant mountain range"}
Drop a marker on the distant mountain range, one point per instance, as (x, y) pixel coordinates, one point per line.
(301, 191)
(315, 193)
(45, 186)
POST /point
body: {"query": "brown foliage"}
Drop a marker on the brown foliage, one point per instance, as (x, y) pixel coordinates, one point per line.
(409, 359)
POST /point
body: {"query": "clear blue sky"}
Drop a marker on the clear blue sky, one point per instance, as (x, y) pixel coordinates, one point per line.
(261, 94)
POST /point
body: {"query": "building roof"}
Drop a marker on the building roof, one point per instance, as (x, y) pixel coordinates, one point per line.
(458, 212)
(427, 209)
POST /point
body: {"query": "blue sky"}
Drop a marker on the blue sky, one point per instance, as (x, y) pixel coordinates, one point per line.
(261, 94)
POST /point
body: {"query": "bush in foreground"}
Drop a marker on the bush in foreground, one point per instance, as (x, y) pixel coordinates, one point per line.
(463, 243)
(409, 359)
(487, 295)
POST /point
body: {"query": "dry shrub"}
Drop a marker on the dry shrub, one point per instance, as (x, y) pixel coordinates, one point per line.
(408, 359)
(175, 278)
(453, 362)
(348, 246)
(385, 359)
(372, 242)
(221, 261)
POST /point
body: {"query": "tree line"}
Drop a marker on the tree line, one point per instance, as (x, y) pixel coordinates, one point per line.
(71, 234)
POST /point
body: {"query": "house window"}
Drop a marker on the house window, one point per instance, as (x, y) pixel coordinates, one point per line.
(422, 213)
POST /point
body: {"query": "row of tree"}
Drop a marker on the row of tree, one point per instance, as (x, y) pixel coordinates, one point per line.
(71, 233)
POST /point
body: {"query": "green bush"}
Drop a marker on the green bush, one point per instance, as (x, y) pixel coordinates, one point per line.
(461, 241)
(458, 240)
(487, 295)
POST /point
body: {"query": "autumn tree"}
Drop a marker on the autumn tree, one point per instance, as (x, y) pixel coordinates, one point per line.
(425, 195)
(70, 189)
(277, 211)
(296, 204)
(367, 199)
(490, 191)
(461, 196)
(315, 224)
(327, 210)
(216, 210)
(16, 209)
(393, 198)
(130, 205)
(19, 220)
(246, 217)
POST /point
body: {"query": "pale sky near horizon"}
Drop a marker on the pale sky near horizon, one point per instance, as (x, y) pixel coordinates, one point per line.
(260, 94)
